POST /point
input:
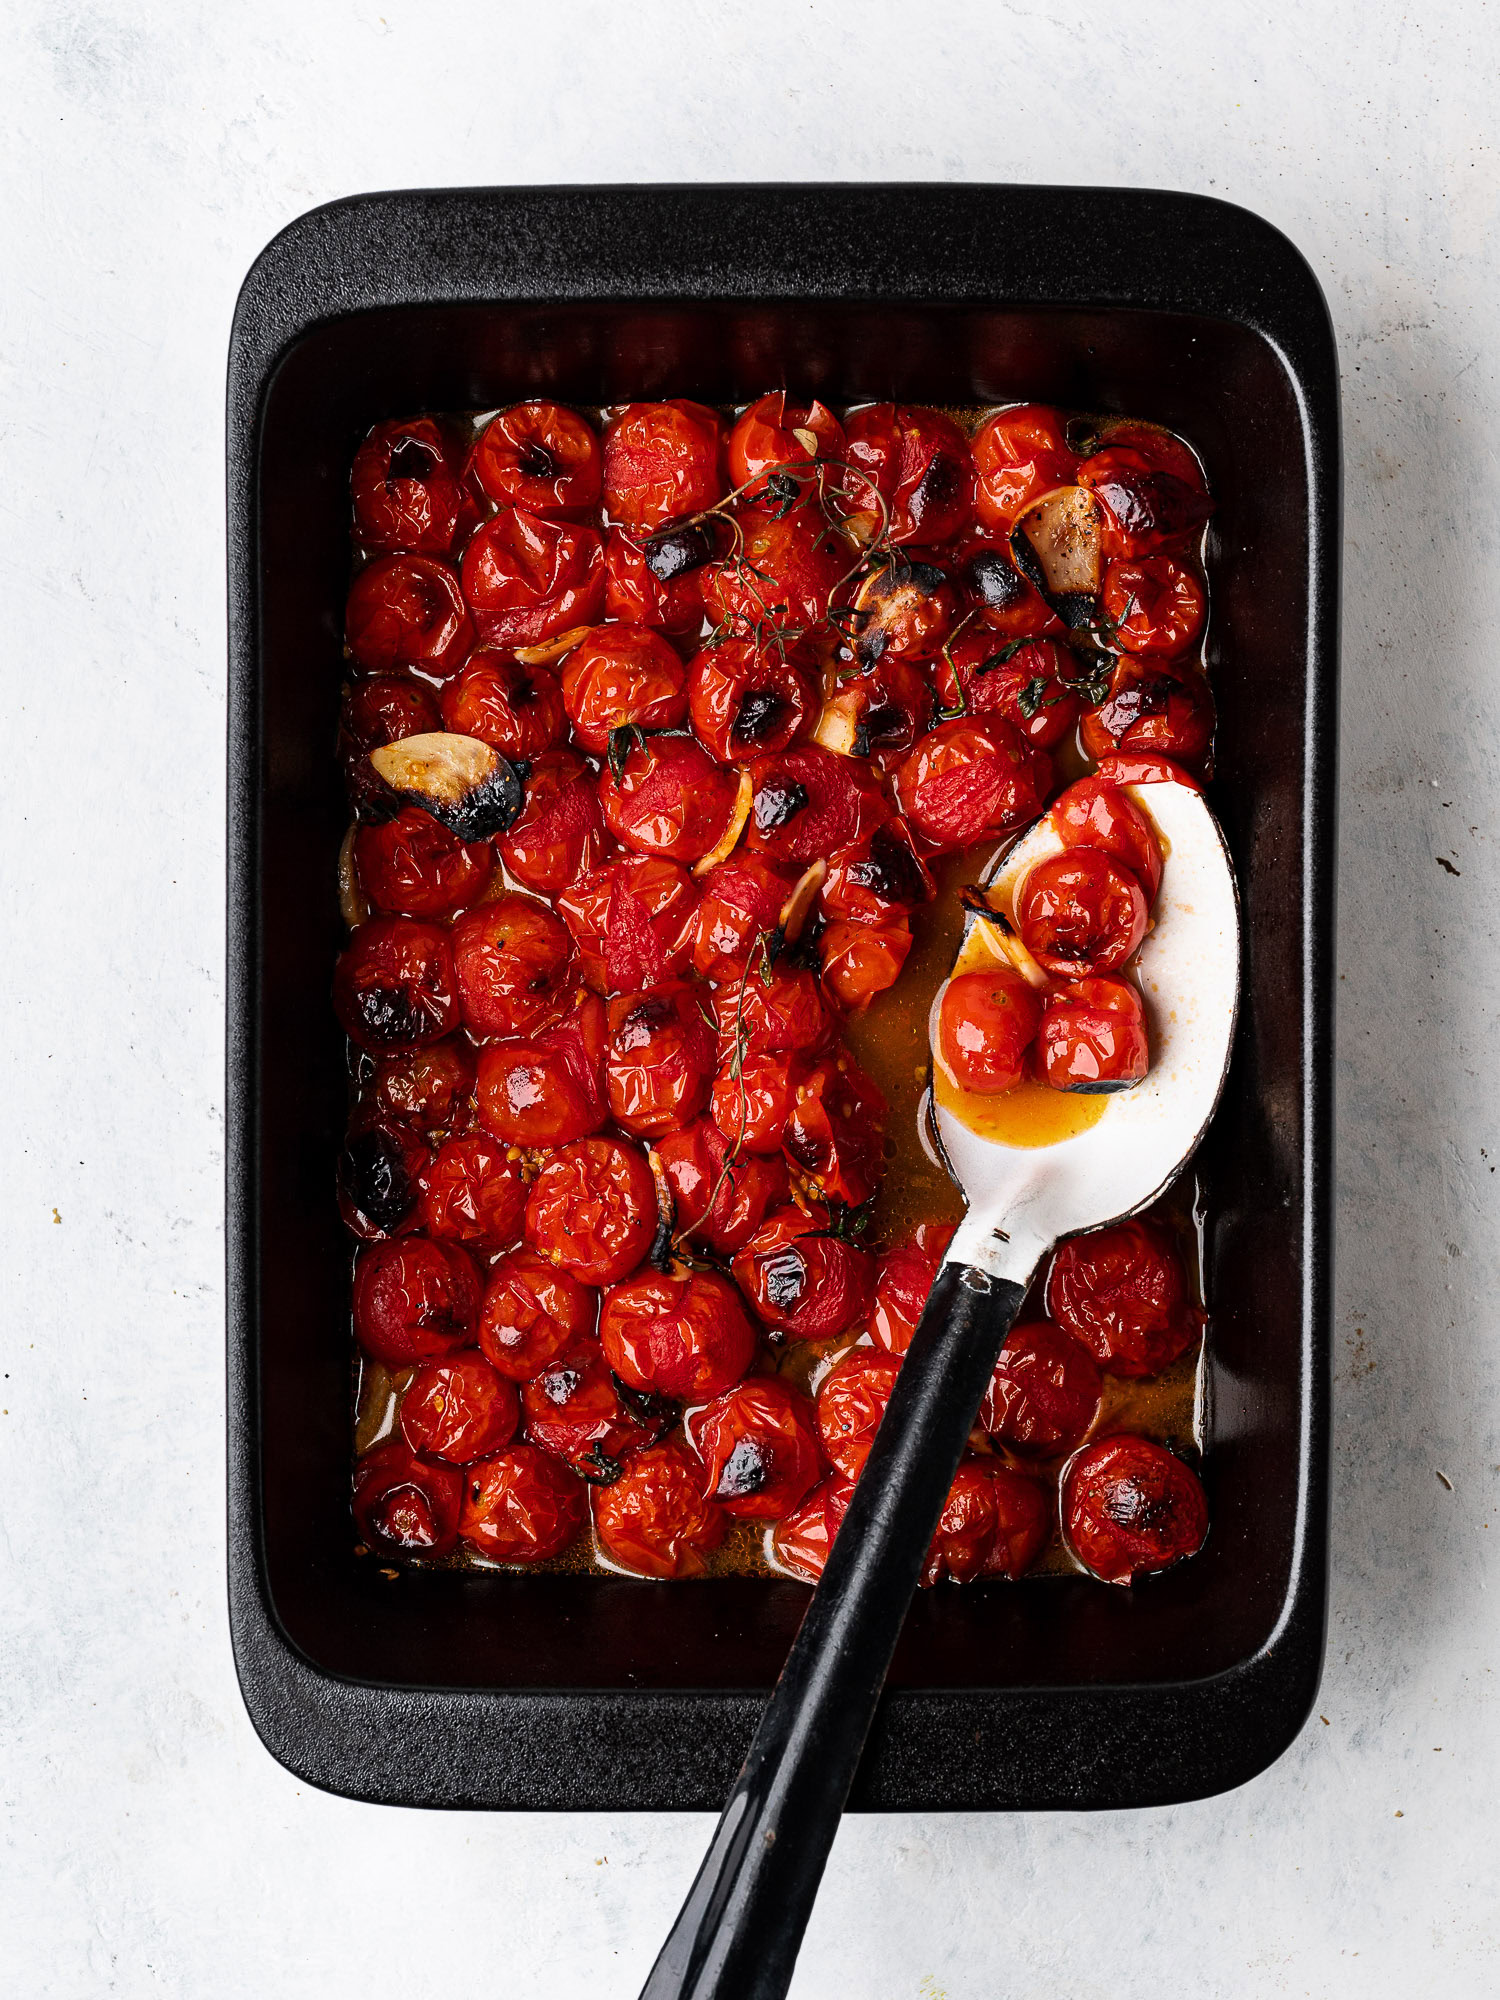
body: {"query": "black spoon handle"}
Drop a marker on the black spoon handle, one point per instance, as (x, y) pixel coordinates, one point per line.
(738, 1934)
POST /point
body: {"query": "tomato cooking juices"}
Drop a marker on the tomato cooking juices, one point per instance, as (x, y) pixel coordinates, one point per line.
(673, 737)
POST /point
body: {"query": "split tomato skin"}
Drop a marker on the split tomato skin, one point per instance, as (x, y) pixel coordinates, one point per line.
(618, 675)
(1081, 912)
(405, 490)
(918, 463)
(549, 1090)
(765, 437)
(411, 866)
(518, 709)
(835, 1130)
(414, 1300)
(661, 461)
(521, 1506)
(577, 1411)
(459, 1410)
(1027, 688)
(1153, 705)
(1093, 1036)
(654, 1519)
(636, 597)
(668, 798)
(802, 1539)
(542, 457)
(991, 589)
(472, 1193)
(802, 1282)
(526, 579)
(592, 1210)
(1156, 605)
(408, 611)
(969, 779)
(964, 1538)
(877, 881)
(660, 1060)
(404, 1505)
(1130, 1508)
(682, 1334)
(785, 1015)
(559, 834)
(986, 1023)
(759, 1447)
(394, 985)
(850, 1403)
(632, 920)
(512, 961)
(746, 700)
(1124, 1293)
(531, 1313)
(1045, 1393)
(1020, 455)
(721, 1200)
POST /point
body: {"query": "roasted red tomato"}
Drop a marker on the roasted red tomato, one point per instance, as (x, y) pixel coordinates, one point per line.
(518, 709)
(472, 1192)
(784, 1015)
(592, 1210)
(780, 580)
(665, 796)
(1131, 1507)
(742, 900)
(393, 986)
(774, 432)
(1144, 508)
(835, 1130)
(986, 1023)
(1080, 911)
(808, 803)
(759, 1446)
(1095, 814)
(380, 1175)
(559, 834)
(622, 674)
(1152, 704)
(404, 1506)
(578, 1411)
(903, 1278)
(1044, 1394)
(876, 880)
(990, 586)
(801, 1281)
(746, 700)
(539, 456)
(1155, 605)
(751, 1101)
(408, 611)
(660, 1059)
(1093, 1036)
(851, 1401)
(632, 920)
(1020, 454)
(1141, 768)
(521, 1506)
(531, 1313)
(913, 477)
(405, 489)
(1124, 1293)
(512, 960)
(720, 1201)
(550, 1090)
(382, 710)
(661, 460)
(412, 867)
(877, 714)
(683, 1334)
(970, 780)
(635, 595)
(964, 1539)
(861, 960)
(903, 610)
(1026, 684)
(525, 579)
(459, 1409)
(414, 1300)
(1023, 1522)
(431, 1085)
(803, 1538)
(654, 1518)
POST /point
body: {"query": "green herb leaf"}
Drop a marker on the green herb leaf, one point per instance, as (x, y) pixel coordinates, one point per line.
(629, 736)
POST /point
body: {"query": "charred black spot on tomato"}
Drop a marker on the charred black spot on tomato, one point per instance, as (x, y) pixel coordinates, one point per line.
(939, 487)
(374, 1180)
(410, 460)
(643, 1023)
(643, 1406)
(998, 584)
(559, 1384)
(1147, 694)
(762, 713)
(887, 599)
(1081, 435)
(536, 462)
(1154, 504)
(778, 802)
(746, 1470)
(679, 547)
(464, 783)
(784, 1276)
(1136, 1506)
(389, 1015)
(1097, 1089)
(890, 870)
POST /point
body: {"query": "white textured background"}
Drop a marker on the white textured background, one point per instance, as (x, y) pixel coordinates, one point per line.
(149, 151)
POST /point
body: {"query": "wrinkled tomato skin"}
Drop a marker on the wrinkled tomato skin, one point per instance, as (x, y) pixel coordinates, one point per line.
(1093, 1036)
(1023, 1522)
(1044, 1395)
(970, 779)
(472, 1192)
(746, 701)
(835, 1130)
(653, 1519)
(549, 1090)
(764, 437)
(414, 1300)
(404, 1505)
(903, 1278)
(410, 866)
(459, 1410)
(877, 880)
(890, 705)
(518, 709)
(636, 597)
(575, 1410)
(521, 1506)
(809, 803)
(526, 580)
(919, 464)
(661, 461)
(1081, 912)
(382, 710)
(1141, 768)
(1031, 679)
(1020, 455)
(622, 674)
(803, 1538)
(632, 921)
(801, 1283)
(784, 576)
(964, 1538)
(1144, 509)
(742, 899)
(669, 799)
(990, 587)
(532, 1312)
(394, 986)
(751, 1101)
(685, 1334)
(404, 489)
(430, 1085)
(783, 1016)
(1095, 814)
(592, 1210)
(1153, 705)
(851, 1401)
(1155, 605)
(759, 1447)
(863, 960)
(660, 1060)
(512, 960)
(903, 611)
(986, 1023)
(719, 1206)
(1131, 1507)
(1124, 1293)
(539, 456)
(408, 611)
(380, 1175)
(559, 834)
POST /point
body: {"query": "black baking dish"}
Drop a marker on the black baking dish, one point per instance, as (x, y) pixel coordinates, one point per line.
(560, 1691)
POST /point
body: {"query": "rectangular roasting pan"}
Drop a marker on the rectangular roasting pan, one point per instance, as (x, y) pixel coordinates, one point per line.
(451, 1689)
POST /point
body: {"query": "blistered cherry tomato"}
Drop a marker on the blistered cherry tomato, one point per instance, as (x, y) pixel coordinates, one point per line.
(512, 960)
(521, 1506)
(1093, 1036)
(472, 1192)
(903, 1278)
(766, 436)
(621, 674)
(382, 710)
(863, 960)
(759, 1447)
(632, 920)
(578, 1411)
(405, 489)
(430, 1085)
(742, 899)
(404, 1506)
(539, 456)
(986, 1023)
(1080, 911)
(835, 1130)
(668, 798)
(1023, 1522)
(801, 1281)
(1026, 685)
(525, 579)
(559, 834)
(393, 986)
(808, 803)
(1095, 814)
(459, 1409)
(751, 1100)
(1020, 455)
(851, 1401)
(1131, 767)
(1044, 1394)
(721, 1200)
(410, 866)
(518, 709)
(784, 1015)
(1155, 605)
(876, 880)
(878, 713)
(1008, 604)
(549, 1090)
(683, 1334)
(1131, 1507)
(661, 460)
(654, 1518)
(913, 473)
(1144, 509)
(1124, 1293)
(970, 780)
(1155, 705)
(803, 1538)
(660, 1059)
(380, 1175)
(408, 611)
(633, 594)
(414, 1300)
(747, 700)
(780, 580)
(592, 1210)
(902, 610)
(964, 1538)
(531, 1313)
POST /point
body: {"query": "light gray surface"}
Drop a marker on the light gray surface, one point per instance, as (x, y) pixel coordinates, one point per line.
(150, 1844)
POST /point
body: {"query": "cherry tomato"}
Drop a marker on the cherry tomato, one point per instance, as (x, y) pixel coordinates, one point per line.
(835, 1131)
(632, 920)
(521, 1506)
(881, 712)
(654, 1519)
(784, 1015)
(1143, 509)
(578, 1411)
(634, 595)
(403, 1505)
(1093, 813)
(1045, 1392)
(559, 834)
(861, 960)
(780, 580)
(382, 710)
(539, 456)
(549, 1090)
(1027, 685)
(1080, 911)
(668, 798)
(1153, 705)
(1155, 605)
(592, 1210)
(720, 1201)
(759, 1447)
(622, 674)
(379, 1176)
(405, 489)
(1023, 1522)
(518, 709)
(766, 436)
(970, 780)
(902, 610)
(913, 477)
(742, 900)
(683, 1334)
(414, 1300)
(964, 1539)
(408, 611)
(803, 1538)
(512, 961)
(393, 987)
(1020, 455)
(903, 1278)
(1093, 1036)
(986, 1023)
(412, 867)
(1131, 1507)
(746, 700)
(876, 880)
(661, 460)
(1141, 768)
(532, 1313)
(851, 1401)
(809, 803)
(459, 1409)
(525, 579)
(801, 1281)
(431, 1085)
(1008, 604)
(472, 1192)
(660, 1058)
(751, 1100)
(1124, 1293)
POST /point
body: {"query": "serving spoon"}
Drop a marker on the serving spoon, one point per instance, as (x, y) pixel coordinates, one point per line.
(739, 1931)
